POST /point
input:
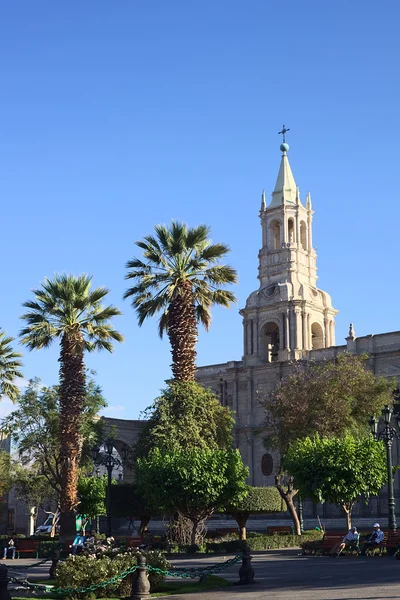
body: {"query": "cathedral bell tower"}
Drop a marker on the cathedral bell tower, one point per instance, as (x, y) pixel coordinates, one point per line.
(288, 315)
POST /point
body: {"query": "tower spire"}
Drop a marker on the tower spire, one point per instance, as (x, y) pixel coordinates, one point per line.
(285, 186)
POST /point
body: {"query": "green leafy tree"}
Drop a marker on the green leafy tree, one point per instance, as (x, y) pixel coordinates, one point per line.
(186, 415)
(259, 500)
(35, 429)
(180, 278)
(329, 399)
(193, 482)
(66, 309)
(37, 492)
(340, 471)
(92, 492)
(10, 366)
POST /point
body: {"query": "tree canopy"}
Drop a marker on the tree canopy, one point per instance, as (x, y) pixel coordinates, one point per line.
(10, 366)
(259, 500)
(180, 278)
(340, 471)
(186, 415)
(329, 398)
(193, 482)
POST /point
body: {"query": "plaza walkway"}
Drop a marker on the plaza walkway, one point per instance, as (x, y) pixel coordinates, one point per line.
(286, 575)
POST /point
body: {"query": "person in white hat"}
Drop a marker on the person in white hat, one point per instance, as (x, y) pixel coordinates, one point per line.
(375, 539)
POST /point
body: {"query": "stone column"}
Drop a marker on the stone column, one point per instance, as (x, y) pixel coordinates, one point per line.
(287, 330)
(309, 338)
(304, 323)
(327, 336)
(298, 333)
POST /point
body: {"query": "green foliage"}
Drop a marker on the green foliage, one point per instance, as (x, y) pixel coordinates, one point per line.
(92, 493)
(258, 500)
(329, 399)
(64, 305)
(5, 473)
(195, 482)
(336, 470)
(259, 541)
(186, 415)
(10, 366)
(35, 429)
(83, 571)
(173, 257)
(46, 548)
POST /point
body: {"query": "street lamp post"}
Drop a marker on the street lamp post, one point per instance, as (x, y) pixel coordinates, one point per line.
(110, 462)
(388, 434)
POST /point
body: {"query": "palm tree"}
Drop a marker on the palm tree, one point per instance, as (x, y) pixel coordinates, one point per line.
(65, 308)
(180, 278)
(9, 367)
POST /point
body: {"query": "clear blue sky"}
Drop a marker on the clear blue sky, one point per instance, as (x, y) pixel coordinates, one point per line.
(116, 116)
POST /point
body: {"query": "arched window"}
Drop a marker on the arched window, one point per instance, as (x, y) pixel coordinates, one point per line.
(317, 336)
(303, 235)
(276, 235)
(291, 235)
(270, 342)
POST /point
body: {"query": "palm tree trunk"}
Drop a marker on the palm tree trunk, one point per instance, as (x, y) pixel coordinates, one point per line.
(182, 333)
(72, 393)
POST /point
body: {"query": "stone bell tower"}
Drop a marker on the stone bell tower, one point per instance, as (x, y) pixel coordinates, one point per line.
(288, 315)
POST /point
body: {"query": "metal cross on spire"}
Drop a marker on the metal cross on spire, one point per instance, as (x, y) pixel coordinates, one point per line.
(283, 133)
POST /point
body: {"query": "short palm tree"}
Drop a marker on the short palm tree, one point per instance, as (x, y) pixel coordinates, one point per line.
(9, 367)
(65, 308)
(179, 277)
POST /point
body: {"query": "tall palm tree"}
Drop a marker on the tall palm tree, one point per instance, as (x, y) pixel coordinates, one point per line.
(180, 278)
(9, 367)
(67, 309)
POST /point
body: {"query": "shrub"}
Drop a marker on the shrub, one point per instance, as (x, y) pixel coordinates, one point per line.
(259, 541)
(84, 571)
(47, 548)
(259, 500)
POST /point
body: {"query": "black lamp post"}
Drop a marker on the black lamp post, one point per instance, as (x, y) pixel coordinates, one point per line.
(110, 462)
(387, 434)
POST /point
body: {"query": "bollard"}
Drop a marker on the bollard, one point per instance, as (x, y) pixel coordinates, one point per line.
(246, 571)
(140, 582)
(4, 593)
(55, 559)
(53, 567)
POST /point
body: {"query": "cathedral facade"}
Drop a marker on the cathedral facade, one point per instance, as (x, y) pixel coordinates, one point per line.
(287, 319)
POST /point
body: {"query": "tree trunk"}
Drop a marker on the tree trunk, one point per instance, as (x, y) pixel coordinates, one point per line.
(241, 520)
(288, 497)
(194, 531)
(144, 521)
(347, 511)
(72, 394)
(182, 333)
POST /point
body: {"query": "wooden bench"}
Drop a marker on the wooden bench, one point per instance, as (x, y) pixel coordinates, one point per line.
(279, 529)
(390, 543)
(26, 546)
(134, 542)
(323, 546)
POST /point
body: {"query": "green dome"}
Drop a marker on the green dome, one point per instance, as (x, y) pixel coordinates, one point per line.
(284, 147)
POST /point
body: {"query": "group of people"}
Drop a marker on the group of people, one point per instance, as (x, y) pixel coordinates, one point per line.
(351, 539)
(81, 541)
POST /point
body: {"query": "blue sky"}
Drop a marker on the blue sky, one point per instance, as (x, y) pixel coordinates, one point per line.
(116, 116)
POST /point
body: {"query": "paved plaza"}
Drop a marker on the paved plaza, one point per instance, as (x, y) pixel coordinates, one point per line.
(284, 575)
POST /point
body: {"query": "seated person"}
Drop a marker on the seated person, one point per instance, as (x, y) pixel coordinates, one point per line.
(350, 539)
(78, 543)
(375, 539)
(89, 539)
(10, 546)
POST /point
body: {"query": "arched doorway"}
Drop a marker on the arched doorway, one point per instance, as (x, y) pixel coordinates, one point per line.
(317, 336)
(270, 341)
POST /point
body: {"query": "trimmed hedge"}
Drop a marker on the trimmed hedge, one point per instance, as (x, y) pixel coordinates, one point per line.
(259, 500)
(259, 541)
